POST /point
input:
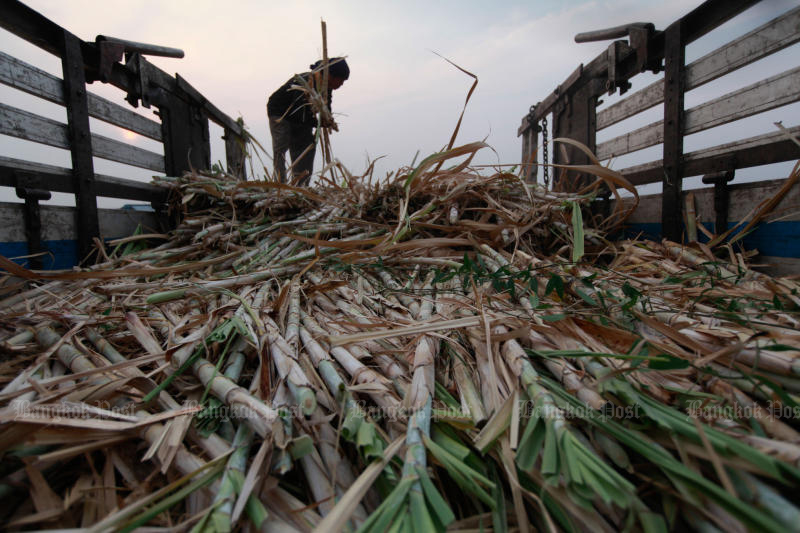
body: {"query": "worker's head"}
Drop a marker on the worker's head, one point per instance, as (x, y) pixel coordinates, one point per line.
(338, 71)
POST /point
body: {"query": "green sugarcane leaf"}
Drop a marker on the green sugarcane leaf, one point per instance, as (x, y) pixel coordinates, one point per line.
(443, 455)
(550, 461)
(403, 525)
(668, 362)
(555, 283)
(570, 459)
(394, 504)
(368, 441)
(600, 467)
(435, 500)
(353, 418)
(421, 519)
(612, 450)
(652, 522)
(467, 478)
(530, 444)
(301, 446)
(443, 395)
(444, 437)
(587, 490)
(681, 476)
(173, 499)
(577, 232)
(169, 379)
(781, 348)
(586, 297)
(556, 511)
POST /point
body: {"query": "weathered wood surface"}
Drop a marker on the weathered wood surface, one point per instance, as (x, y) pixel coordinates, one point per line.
(29, 79)
(58, 222)
(58, 179)
(770, 93)
(752, 151)
(32, 127)
(759, 43)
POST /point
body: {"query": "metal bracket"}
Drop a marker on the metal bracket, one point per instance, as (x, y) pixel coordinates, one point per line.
(112, 49)
(639, 39)
(110, 53)
(615, 81)
(720, 181)
(136, 63)
(28, 189)
(639, 34)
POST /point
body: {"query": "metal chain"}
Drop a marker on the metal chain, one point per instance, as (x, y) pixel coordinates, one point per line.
(545, 168)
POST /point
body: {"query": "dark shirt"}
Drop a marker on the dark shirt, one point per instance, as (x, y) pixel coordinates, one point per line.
(293, 104)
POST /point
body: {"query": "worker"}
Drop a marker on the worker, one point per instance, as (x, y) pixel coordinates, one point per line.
(292, 119)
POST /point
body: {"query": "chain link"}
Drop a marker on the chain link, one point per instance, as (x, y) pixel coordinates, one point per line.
(545, 168)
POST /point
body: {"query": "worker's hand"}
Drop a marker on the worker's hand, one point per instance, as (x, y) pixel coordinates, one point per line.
(330, 123)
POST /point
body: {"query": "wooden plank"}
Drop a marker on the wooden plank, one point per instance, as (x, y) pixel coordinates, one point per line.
(763, 41)
(124, 153)
(672, 181)
(58, 179)
(79, 139)
(774, 92)
(770, 93)
(767, 39)
(29, 79)
(641, 100)
(24, 125)
(644, 137)
(749, 152)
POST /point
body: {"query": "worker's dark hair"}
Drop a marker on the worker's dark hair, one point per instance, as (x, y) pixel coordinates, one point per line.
(337, 66)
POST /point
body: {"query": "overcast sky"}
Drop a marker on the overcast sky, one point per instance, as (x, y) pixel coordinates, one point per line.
(401, 97)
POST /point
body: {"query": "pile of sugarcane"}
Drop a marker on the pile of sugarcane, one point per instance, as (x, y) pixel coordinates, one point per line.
(440, 350)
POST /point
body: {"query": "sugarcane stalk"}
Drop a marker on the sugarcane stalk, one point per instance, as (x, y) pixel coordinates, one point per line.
(289, 369)
(259, 415)
(212, 287)
(379, 391)
(185, 461)
(293, 319)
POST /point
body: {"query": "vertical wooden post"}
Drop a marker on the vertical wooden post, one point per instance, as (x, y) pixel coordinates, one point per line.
(674, 80)
(76, 103)
(530, 168)
(577, 120)
(186, 136)
(235, 154)
(28, 188)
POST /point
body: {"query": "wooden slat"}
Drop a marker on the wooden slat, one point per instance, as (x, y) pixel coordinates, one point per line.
(749, 152)
(31, 127)
(776, 91)
(59, 179)
(770, 93)
(29, 79)
(640, 138)
(759, 43)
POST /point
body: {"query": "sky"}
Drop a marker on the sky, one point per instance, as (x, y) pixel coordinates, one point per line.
(402, 98)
